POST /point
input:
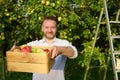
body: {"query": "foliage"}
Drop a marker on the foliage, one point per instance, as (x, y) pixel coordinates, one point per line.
(20, 22)
(18, 76)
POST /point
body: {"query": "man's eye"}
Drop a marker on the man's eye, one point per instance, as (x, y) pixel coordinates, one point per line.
(46, 27)
(53, 27)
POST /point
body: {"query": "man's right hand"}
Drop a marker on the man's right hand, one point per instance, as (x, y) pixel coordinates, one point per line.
(13, 47)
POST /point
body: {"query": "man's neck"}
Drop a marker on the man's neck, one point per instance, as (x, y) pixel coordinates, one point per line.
(49, 41)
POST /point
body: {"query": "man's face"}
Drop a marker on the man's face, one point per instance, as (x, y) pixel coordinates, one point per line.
(49, 29)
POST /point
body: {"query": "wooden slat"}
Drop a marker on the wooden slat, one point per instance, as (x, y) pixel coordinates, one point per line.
(118, 63)
(27, 57)
(28, 67)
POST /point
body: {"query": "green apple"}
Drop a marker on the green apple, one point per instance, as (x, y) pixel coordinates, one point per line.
(33, 50)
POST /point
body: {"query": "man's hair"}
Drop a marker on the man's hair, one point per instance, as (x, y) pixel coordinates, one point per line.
(50, 18)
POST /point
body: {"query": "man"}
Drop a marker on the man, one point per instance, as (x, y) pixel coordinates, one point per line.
(60, 50)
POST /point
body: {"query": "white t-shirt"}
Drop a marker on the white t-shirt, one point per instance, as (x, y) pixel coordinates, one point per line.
(57, 71)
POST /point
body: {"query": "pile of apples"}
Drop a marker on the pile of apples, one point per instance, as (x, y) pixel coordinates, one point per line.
(29, 49)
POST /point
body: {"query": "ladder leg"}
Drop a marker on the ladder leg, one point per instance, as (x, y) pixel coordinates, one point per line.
(110, 39)
(106, 66)
(117, 16)
(114, 68)
(87, 68)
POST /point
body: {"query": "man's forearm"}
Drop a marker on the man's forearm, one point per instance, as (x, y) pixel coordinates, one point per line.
(66, 51)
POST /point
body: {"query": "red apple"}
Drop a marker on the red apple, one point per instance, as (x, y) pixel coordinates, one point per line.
(46, 50)
(26, 49)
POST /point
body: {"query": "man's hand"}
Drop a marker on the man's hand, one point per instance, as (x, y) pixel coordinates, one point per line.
(54, 51)
(13, 47)
(66, 51)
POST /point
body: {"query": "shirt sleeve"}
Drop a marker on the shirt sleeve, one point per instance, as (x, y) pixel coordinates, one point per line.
(74, 48)
(75, 53)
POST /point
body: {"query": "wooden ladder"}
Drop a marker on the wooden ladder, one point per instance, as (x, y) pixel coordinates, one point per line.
(112, 52)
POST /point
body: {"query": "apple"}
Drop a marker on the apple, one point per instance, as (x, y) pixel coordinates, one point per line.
(46, 50)
(33, 50)
(17, 49)
(38, 50)
(26, 49)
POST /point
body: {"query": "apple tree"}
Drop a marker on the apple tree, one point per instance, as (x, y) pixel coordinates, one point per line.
(21, 23)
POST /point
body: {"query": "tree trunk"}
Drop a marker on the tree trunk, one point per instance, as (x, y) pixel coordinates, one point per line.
(4, 48)
(3, 67)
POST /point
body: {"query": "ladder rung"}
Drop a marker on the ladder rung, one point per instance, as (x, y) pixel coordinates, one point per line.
(114, 21)
(116, 52)
(110, 22)
(117, 69)
(113, 37)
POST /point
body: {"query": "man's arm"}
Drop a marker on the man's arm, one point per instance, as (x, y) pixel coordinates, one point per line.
(66, 51)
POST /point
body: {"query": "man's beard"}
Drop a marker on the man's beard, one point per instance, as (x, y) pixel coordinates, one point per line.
(49, 36)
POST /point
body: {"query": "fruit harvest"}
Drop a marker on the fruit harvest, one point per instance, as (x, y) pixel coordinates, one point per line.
(30, 49)
(32, 58)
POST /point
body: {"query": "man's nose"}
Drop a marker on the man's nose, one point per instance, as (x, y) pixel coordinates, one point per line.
(49, 29)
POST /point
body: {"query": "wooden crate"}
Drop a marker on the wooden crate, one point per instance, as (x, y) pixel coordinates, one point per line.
(29, 62)
(118, 63)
